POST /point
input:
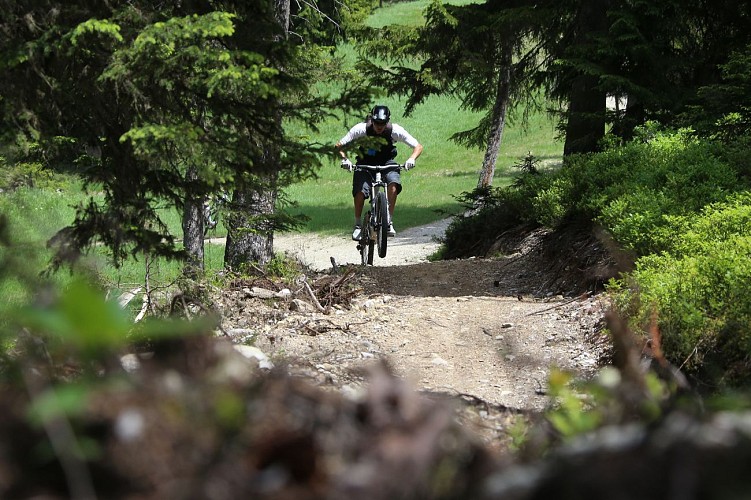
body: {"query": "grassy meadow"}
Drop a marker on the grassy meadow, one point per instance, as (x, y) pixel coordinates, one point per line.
(445, 168)
(444, 171)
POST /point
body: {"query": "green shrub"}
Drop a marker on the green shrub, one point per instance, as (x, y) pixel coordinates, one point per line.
(700, 288)
(502, 209)
(549, 204)
(22, 175)
(716, 222)
(635, 218)
(738, 154)
(636, 191)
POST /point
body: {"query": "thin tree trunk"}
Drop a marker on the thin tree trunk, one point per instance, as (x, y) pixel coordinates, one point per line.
(193, 226)
(500, 108)
(250, 237)
(250, 231)
(281, 11)
(633, 116)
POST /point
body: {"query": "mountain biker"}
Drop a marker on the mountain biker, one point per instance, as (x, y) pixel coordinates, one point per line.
(380, 150)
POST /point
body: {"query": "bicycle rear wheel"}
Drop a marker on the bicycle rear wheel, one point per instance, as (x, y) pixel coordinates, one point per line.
(382, 224)
(366, 244)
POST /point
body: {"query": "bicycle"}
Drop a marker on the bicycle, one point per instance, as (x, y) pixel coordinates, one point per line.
(375, 222)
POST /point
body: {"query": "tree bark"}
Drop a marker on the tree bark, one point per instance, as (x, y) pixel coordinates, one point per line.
(585, 125)
(250, 232)
(633, 115)
(193, 226)
(500, 108)
(586, 116)
(250, 237)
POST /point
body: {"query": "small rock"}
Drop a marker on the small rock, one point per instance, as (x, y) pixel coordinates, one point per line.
(251, 352)
(130, 363)
(301, 306)
(439, 361)
(129, 425)
(368, 304)
(261, 293)
(243, 333)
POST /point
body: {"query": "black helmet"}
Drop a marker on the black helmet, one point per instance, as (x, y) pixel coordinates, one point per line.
(380, 114)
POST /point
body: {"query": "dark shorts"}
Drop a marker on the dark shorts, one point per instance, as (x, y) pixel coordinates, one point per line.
(362, 179)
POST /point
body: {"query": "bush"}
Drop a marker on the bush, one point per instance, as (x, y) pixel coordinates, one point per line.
(501, 209)
(634, 191)
(700, 289)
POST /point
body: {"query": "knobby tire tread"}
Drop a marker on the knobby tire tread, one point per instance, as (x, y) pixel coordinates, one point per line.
(383, 228)
(366, 248)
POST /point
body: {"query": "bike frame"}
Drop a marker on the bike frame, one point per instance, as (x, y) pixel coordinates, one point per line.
(375, 221)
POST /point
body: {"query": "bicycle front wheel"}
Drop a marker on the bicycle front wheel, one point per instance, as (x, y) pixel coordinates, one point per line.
(382, 224)
(366, 244)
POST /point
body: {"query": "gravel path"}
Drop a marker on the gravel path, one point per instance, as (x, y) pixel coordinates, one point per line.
(410, 246)
(466, 327)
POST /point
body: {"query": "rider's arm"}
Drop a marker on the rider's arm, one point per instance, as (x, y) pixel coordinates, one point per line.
(398, 133)
(354, 133)
(416, 152)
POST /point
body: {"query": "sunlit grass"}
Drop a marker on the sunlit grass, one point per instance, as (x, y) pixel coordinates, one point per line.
(405, 13)
(443, 172)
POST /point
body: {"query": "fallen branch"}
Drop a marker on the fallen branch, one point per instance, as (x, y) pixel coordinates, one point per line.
(314, 298)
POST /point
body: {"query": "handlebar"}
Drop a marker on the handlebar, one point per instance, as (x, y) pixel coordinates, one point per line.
(379, 167)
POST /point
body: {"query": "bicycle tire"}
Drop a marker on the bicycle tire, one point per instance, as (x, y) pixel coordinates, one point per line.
(382, 224)
(366, 244)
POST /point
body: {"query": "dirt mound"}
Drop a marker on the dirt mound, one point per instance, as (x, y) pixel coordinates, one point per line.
(485, 330)
(291, 398)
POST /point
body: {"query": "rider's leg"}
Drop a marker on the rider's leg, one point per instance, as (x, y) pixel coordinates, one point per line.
(392, 191)
(359, 204)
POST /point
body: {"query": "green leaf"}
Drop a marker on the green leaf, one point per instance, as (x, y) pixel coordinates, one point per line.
(82, 318)
(100, 26)
(64, 401)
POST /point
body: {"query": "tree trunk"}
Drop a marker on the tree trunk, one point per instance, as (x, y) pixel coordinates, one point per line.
(193, 226)
(500, 108)
(250, 231)
(250, 237)
(281, 11)
(586, 116)
(632, 117)
(585, 124)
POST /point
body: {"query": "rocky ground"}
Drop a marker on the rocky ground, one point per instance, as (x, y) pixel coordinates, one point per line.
(409, 379)
(485, 332)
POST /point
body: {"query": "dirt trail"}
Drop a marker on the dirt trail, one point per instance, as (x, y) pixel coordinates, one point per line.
(468, 328)
(409, 246)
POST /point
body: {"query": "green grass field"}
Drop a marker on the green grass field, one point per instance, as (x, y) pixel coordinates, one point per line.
(444, 171)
